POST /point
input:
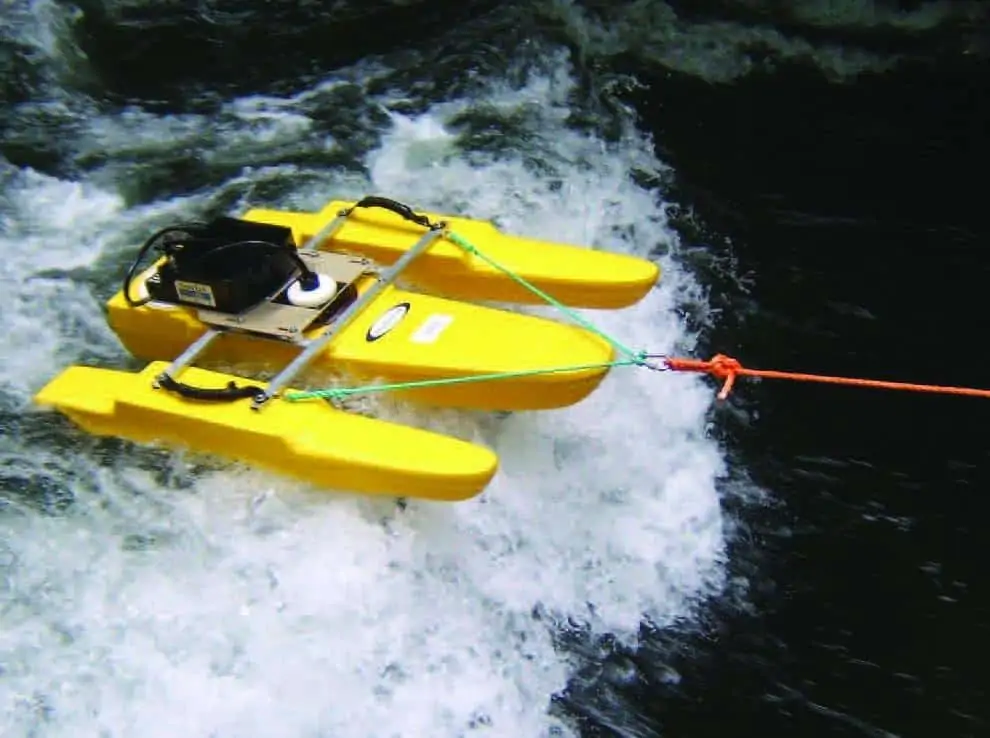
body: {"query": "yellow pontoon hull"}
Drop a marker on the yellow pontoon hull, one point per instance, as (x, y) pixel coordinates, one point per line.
(436, 338)
(574, 275)
(311, 441)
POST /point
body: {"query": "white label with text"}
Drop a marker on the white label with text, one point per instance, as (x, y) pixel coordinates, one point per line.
(196, 293)
(431, 328)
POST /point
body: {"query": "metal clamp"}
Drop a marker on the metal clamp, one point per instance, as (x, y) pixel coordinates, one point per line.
(188, 356)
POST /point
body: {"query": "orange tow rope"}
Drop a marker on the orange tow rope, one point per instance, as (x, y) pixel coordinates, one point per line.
(727, 369)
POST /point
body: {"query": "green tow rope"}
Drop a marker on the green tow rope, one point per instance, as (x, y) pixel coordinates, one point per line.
(634, 358)
(417, 384)
(472, 249)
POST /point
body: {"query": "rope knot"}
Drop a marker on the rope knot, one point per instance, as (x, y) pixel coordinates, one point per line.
(719, 366)
(725, 368)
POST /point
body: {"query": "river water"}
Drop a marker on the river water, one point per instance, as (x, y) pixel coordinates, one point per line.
(800, 560)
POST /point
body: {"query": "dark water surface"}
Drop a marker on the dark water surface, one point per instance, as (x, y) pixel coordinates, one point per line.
(839, 220)
(854, 209)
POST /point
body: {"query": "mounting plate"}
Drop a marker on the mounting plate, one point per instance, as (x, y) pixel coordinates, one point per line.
(287, 322)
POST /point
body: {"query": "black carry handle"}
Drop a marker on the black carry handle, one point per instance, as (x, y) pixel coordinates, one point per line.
(404, 211)
(215, 394)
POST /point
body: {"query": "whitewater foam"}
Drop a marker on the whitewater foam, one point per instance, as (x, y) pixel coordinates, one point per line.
(234, 603)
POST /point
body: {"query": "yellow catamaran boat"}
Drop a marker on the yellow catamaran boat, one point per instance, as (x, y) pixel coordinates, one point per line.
(313, 295)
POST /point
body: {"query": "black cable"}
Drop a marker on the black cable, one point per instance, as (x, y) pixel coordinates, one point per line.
(187, 228)
(309, 280)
